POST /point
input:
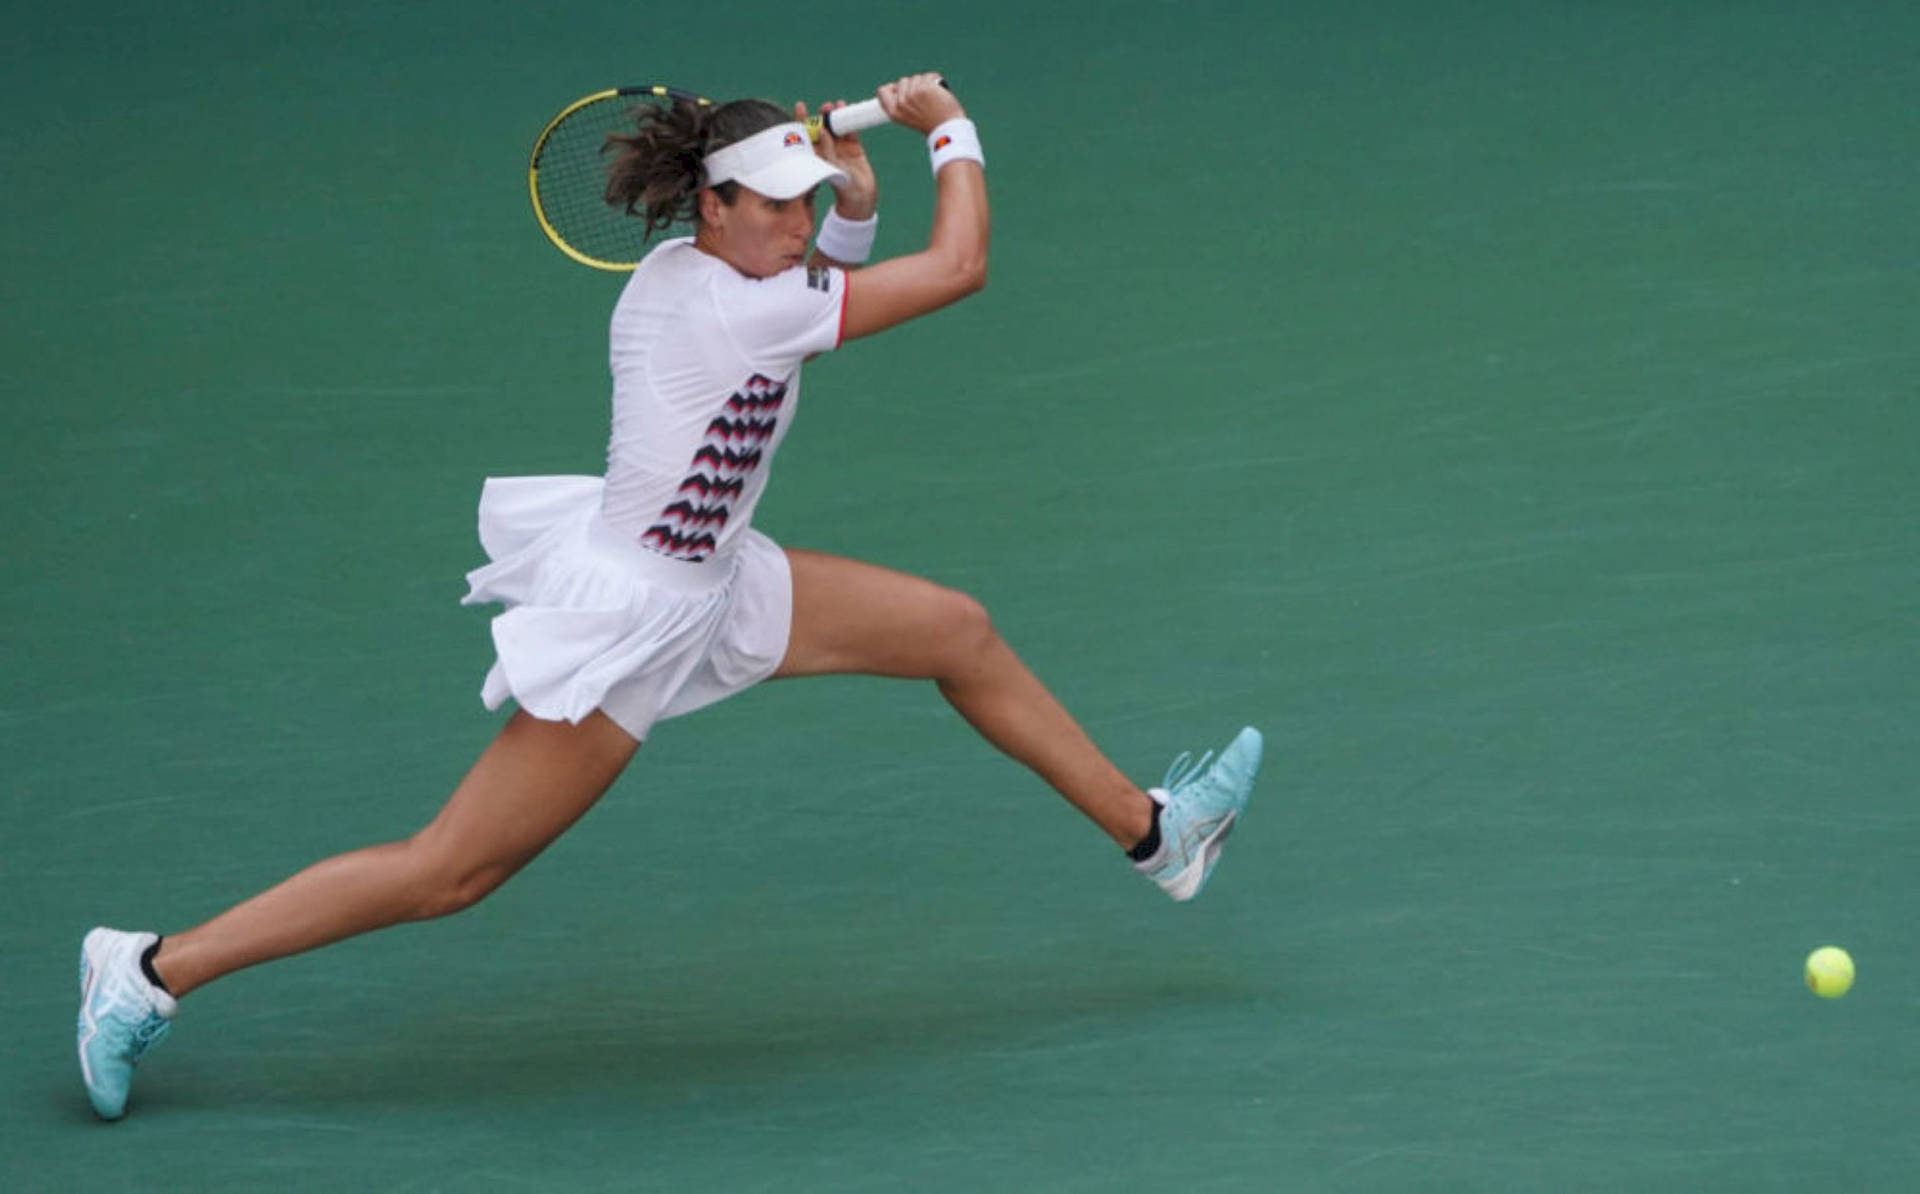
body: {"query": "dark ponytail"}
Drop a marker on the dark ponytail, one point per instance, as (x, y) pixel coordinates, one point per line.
(656, 171)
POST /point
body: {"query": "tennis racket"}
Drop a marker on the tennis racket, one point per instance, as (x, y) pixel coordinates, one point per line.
(567, 173)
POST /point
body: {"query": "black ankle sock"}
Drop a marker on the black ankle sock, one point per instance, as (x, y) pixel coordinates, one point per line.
(146, 965)
(1149, 845)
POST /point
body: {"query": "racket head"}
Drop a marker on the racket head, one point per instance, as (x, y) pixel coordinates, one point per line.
(567, 176)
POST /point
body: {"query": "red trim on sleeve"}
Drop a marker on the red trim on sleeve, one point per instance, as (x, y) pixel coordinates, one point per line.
(846, 289)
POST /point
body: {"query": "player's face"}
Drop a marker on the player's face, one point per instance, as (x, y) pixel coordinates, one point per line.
(761, 236)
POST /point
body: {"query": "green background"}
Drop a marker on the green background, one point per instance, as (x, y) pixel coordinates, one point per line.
(1507, 410)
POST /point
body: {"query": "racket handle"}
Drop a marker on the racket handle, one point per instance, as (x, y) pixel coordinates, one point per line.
(851, 119)
(866, 114)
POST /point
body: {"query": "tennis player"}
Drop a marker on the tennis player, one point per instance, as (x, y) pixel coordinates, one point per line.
(647, 594)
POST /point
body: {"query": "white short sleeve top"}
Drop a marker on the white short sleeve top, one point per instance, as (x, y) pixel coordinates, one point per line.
(706, 381)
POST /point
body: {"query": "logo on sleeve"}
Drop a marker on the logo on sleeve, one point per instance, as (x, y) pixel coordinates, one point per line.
(819, 279)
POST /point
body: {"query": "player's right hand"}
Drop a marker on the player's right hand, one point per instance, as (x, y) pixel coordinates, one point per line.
(919, 102)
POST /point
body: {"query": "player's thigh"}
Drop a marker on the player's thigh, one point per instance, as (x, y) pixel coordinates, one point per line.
(534, 780)
(851, 616)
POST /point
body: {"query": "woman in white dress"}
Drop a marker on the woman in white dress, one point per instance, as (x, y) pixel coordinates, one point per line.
(647, 594)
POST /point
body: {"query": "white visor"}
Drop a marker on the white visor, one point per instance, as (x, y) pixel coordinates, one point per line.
(778, 162)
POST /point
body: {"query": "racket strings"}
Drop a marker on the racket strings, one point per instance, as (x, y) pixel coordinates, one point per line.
(570, 182)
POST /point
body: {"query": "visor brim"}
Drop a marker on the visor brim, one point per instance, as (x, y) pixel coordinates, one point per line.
(792, 177)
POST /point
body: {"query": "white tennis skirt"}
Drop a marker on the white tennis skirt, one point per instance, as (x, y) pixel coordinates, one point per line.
(595, 621)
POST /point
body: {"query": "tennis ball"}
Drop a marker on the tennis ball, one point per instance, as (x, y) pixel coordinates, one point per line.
(1829, 972)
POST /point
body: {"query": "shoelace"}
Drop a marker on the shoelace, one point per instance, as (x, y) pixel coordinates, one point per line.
(1175, 776)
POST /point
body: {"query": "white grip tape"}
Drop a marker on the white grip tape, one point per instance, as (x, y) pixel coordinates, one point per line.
(851, 119)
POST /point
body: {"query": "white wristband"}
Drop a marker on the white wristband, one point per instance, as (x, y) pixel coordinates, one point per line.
(847, 240)
(955, 141)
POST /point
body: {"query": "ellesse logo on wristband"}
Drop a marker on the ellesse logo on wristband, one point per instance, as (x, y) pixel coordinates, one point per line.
(942, 143)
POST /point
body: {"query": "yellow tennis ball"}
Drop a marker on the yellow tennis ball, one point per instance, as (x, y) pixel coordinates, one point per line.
(1829, 972)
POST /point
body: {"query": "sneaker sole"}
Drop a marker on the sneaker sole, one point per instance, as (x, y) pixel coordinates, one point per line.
(89, 1028)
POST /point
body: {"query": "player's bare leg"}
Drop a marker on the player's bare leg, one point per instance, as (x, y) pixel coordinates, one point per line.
(535, 779)
(850, 616)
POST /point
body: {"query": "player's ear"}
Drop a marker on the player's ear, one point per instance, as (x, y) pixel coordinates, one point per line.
(712, 211)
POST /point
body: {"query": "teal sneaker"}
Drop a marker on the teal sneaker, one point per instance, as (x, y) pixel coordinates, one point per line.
(122, 1015)
(1198, 806)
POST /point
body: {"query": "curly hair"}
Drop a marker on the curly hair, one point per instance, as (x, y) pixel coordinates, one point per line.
(656, 173)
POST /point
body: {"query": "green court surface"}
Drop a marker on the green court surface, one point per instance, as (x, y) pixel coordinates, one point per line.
(1508, 411)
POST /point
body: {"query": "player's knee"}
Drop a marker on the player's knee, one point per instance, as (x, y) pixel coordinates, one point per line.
(443, 886)
(966, 628)
(452, 894)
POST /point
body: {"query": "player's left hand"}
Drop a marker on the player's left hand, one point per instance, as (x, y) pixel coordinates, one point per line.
(856, 198)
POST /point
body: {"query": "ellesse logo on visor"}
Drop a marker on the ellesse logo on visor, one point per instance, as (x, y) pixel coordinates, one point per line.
(791, 140)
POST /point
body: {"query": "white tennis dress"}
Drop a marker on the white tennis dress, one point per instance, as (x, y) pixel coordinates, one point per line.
(647, 594)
